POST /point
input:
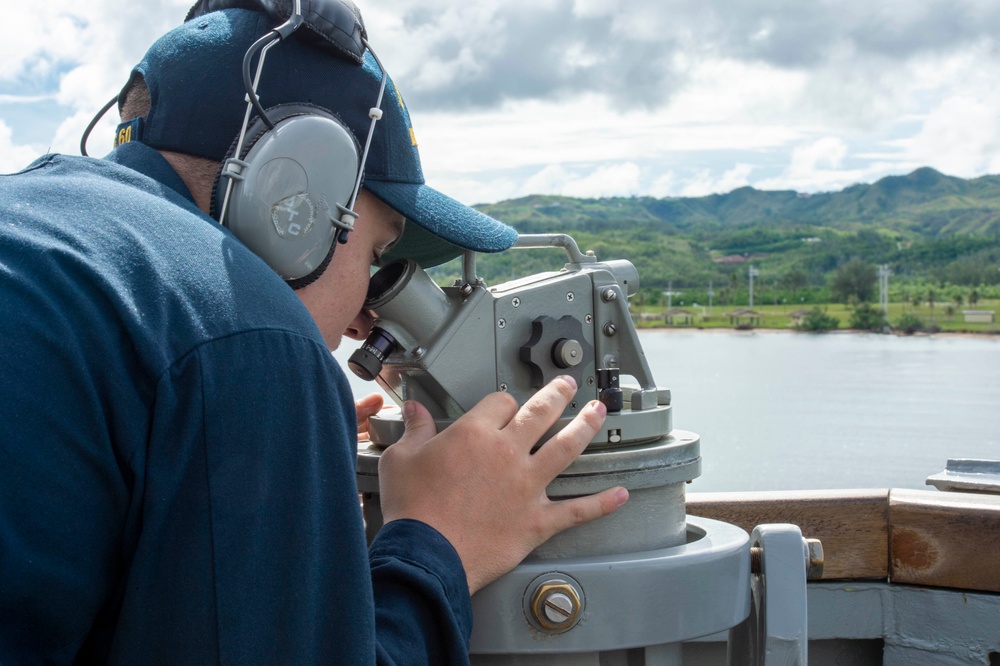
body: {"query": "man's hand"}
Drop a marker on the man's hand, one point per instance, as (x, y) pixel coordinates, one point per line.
(368, 406)
(479, 484)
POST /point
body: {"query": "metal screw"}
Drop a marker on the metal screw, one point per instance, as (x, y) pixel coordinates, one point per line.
(569, 297)
(556, 605)
(516, 302)
(814, 558)
(418, 352)
(590, 381)
(503, 387)
(502, 323)
(609, 295)
(589, 319)
(610, 329)
(466, 289)
(813, 550)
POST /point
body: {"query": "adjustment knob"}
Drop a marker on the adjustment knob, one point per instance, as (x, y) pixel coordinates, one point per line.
(556, 347)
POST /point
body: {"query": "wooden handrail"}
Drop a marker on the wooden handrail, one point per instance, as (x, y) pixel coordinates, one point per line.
(919, 537)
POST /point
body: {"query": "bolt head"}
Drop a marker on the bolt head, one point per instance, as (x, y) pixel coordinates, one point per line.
(814, 558)
(556, 605)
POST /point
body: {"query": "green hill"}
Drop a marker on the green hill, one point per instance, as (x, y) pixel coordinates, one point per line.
(929, 227)
(923, 203)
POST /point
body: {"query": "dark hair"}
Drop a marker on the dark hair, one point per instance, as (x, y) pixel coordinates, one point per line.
(134, 100)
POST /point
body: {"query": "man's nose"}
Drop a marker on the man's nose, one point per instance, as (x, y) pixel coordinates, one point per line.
(361, 326)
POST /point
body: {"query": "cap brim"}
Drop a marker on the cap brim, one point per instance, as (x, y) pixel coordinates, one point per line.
(438, 228)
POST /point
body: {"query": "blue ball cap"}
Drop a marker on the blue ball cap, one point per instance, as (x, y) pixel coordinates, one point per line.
(197, 104)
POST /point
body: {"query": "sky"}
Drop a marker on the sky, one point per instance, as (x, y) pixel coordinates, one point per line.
(596, 98)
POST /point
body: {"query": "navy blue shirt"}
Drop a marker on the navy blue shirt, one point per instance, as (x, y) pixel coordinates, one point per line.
(177, 448)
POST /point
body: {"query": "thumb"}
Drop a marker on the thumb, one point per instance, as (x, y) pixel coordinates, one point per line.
(417, 423)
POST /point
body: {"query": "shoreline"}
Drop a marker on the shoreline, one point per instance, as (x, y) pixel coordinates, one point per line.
(840, 331)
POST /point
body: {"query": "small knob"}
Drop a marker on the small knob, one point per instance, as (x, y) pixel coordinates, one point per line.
(567, 353)
(610, 392)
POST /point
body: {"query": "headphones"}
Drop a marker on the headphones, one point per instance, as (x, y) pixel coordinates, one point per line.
(289, 194)
(288, 186)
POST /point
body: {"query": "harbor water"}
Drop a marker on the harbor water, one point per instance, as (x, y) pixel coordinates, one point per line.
(785, 411)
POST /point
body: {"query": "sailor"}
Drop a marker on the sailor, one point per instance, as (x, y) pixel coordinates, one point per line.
(177, 458)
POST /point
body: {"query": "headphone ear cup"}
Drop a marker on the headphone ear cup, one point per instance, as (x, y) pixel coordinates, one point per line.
(293, 178)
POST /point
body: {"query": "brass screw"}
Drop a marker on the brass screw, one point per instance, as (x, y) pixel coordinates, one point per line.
(556, 605)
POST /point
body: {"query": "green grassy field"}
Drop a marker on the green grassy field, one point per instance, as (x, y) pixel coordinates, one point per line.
(947, 318)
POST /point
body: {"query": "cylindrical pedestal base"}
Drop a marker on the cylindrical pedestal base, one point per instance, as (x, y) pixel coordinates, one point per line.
(635, 607)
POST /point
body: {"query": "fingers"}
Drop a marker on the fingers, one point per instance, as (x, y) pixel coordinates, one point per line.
(542, 410)
(577, 511)
(563, 448)
(496, 410)
(368, 406)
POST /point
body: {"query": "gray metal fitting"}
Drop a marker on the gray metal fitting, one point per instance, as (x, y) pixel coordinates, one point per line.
(609, 295)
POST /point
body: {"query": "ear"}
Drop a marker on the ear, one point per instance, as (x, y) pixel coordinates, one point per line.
(284, 193)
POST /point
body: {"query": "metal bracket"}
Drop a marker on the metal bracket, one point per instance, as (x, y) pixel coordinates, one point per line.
(969, 476)
(777, 631)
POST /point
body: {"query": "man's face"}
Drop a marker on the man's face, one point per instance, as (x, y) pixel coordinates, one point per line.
(336, 298)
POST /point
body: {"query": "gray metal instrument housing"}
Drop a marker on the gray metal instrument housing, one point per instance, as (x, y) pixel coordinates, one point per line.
(457, 344)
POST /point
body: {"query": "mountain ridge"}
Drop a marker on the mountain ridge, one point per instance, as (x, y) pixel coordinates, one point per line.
(924, 203)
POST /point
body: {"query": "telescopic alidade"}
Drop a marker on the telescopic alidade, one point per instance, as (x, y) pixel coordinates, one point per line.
(631, 586)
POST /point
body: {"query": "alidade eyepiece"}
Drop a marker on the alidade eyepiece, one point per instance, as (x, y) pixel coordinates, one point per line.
(366, 361)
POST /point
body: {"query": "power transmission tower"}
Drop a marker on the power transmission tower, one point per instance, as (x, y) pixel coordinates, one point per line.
(883, 287)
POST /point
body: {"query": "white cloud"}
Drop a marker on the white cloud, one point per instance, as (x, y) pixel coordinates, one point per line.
(606, 180)
(706, 182)
(815, 166)
(800, 96)
(959, 136)
(13, 157)
(664, 185)
(81, 53)
(827, 153)
(592, 8)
